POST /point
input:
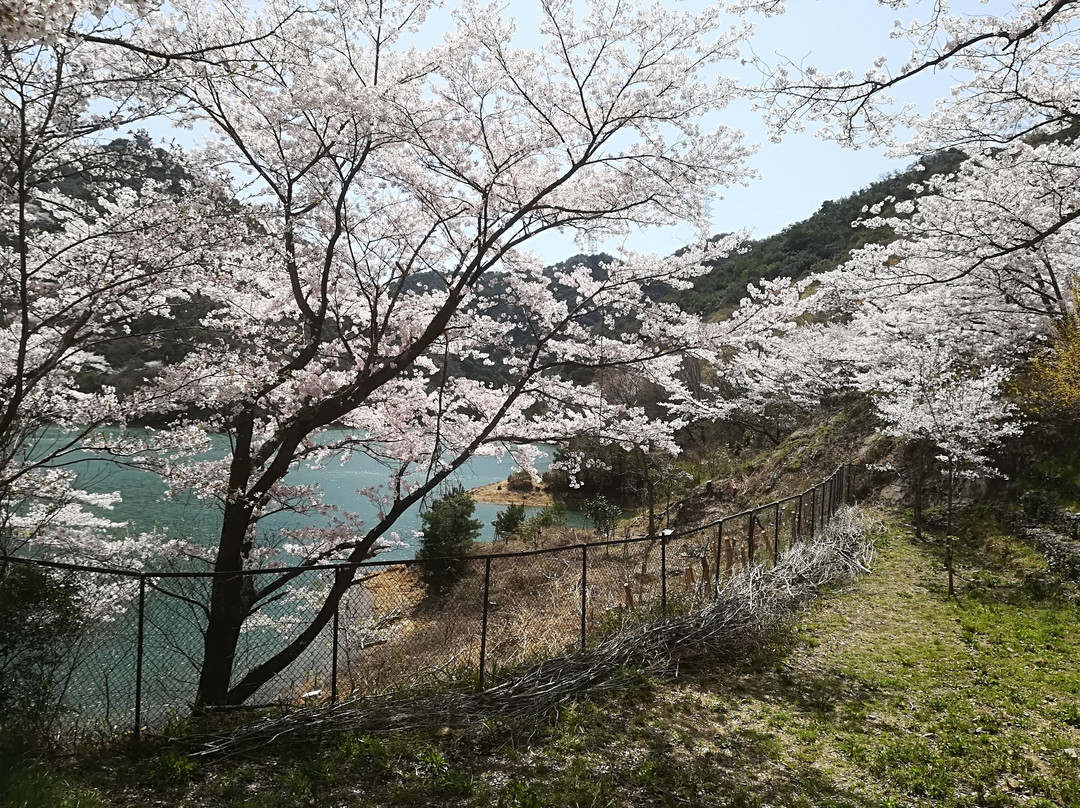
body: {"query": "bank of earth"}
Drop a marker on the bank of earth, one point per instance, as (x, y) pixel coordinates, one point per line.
(500, 494)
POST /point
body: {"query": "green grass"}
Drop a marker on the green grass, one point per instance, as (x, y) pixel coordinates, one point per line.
(888, 693)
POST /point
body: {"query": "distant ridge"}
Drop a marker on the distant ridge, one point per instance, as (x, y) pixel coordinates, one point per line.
(820, 242)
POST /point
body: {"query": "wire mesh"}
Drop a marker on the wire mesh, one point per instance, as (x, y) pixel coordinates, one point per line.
(689, 559)
(534, 608)
(288, 604)
(100, 685)
(174, 619)
(403, 624)
(614, 594)
(398, 633)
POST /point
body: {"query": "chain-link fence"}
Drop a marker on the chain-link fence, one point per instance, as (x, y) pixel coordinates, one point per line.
(136, 668)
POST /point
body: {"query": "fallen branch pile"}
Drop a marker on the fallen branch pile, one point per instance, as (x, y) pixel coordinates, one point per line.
(746, 609)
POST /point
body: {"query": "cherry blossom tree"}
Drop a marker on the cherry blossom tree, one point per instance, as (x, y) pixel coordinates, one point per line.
(387, 194)
(1003, 226)
(81, 263)
(984, 260)
(93, 250)
(927, 363)
(49, 21)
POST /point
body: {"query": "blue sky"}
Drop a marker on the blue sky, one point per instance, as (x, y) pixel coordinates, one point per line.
(801, 172)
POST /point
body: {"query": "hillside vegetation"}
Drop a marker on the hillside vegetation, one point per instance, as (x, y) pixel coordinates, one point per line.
(815, 244)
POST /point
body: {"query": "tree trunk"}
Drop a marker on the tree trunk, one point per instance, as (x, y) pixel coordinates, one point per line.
(264, 672)
(650, 498)
(949, 525)
(918, 474)
(220, 641)
(231, 591)
(952, 487)
(230, 600)
(917, 506)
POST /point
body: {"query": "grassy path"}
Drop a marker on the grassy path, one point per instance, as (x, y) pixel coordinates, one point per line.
(893, 695)
(885, 694)
(901, 696)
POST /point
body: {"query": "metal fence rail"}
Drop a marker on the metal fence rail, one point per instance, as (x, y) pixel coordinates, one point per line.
(138, 670)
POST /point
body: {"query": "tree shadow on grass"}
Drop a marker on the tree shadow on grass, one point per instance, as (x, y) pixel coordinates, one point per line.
(720, 736)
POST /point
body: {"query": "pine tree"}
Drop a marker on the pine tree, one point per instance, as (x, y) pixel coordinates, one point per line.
(449, 532)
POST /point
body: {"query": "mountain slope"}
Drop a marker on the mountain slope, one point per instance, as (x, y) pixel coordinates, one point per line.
(820, 242)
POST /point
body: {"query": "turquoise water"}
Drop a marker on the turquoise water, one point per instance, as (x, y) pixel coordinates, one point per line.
(144, 507)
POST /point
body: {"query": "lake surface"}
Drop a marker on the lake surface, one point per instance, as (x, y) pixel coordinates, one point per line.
(144, 507)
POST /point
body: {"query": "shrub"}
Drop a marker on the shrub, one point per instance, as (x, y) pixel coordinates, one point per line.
(509, 522)
(604, 514)
(520, 481)
(449, 532)
(533, 528)
(40, 620)
(556, 480)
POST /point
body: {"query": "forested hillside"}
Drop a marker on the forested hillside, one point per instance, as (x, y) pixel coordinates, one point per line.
(818, 243)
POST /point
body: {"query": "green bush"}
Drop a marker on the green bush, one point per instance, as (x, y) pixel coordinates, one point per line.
(533, 528)
(40, 621)
(520, 481)
(604, 515)
(449, 532)
(556, 480)
(509, 522)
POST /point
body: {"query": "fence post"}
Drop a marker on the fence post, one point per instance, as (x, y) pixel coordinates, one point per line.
(584, 589)
(776, 535)
(750, 540)
(334, 657)
(798, 521)
(483, 625)
(813, 511)
(719, 548)
(663, 572)
(139, 661)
